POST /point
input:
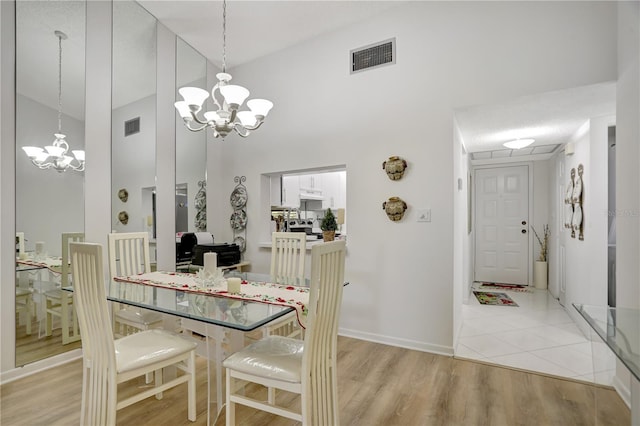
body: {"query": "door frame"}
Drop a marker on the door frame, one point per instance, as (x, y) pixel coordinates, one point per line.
(529, 165)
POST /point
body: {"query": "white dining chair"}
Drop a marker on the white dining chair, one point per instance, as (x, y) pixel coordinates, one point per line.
(59, 303)
(25, 306)
(288, 251)
(129, 255)
(304, 367)
(108, 362)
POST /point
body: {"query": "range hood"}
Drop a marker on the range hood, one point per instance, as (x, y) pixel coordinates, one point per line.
(310, 194)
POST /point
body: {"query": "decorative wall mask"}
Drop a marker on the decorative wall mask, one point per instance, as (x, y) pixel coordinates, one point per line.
(574, 218)
(123, 217)
(395, 167)
(123, 194)
(395, 208)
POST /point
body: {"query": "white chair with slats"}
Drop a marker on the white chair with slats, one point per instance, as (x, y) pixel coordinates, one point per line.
(304, 367)
(288, 250)
(25, 306)
(108, 362)
(129, 255)
(59, 303)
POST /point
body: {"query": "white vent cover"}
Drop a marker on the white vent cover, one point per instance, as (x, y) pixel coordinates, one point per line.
(373, 55)
(132, 126)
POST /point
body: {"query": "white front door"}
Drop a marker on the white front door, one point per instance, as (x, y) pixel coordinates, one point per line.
(502, 225)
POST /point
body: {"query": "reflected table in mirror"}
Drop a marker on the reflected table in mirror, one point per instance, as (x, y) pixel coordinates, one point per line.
(619, 328)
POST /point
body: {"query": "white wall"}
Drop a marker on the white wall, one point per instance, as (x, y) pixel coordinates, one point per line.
(448, 55)
(586, 261)
(50, 202)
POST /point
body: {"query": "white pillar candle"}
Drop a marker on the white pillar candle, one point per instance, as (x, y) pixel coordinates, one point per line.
(233, 285)
(210, 262)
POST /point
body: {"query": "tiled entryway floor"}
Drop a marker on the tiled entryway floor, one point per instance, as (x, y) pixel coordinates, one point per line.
(538, 335)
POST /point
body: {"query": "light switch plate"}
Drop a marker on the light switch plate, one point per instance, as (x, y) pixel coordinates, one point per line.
(424, 215)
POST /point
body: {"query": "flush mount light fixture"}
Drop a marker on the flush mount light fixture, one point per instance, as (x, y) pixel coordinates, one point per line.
(55, 156)
(230, 98)
(519, 143)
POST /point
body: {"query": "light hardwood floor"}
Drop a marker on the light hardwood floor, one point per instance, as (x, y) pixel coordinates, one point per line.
(378, 385)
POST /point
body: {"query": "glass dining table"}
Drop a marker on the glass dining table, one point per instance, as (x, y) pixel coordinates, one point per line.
(619, 329)
(216, 317)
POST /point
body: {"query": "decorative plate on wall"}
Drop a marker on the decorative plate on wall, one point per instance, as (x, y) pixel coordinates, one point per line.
(239, 197)
(238, 220)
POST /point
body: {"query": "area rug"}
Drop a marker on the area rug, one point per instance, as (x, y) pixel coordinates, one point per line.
(509, 287)
(490, 298)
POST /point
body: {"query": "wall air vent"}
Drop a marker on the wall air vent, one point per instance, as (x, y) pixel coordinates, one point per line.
(373, 55)
(132, 126)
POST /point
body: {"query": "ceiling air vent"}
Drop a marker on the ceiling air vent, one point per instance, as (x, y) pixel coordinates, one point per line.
(132, 126)
(374, 55)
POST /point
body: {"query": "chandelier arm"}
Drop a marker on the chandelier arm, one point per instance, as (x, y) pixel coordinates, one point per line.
(239, 128)
(197, 120)
(195, 129)
(254, 127)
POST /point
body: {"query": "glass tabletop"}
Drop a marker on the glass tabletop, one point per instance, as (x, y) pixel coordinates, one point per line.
(20, 267)
(244, 315)
(619, 328)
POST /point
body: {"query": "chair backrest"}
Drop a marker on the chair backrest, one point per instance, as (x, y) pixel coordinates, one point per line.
(128, 253)
(319, 377)
(288, 250)
(68, 237)
(99, 384)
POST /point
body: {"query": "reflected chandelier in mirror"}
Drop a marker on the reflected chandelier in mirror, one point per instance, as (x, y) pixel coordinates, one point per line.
(55, 156)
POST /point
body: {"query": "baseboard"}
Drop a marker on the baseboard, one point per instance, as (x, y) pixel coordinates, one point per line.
(394, 341)
(623, 390)
(38, 366)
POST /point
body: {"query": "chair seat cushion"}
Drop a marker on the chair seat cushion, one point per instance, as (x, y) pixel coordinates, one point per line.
(142, 317)
(148, 347)
(274, 357)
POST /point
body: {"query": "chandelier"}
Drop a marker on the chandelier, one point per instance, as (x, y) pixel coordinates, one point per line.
(55, 156)
(227, 97)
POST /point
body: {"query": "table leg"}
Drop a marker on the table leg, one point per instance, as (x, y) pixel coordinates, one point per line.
(221, 342)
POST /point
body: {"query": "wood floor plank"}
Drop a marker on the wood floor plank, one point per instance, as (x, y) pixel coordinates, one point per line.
(377, 385)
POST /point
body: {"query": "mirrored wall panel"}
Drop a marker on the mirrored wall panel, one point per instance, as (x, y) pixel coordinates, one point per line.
(50, 105)
(133, 143)
(191, 156)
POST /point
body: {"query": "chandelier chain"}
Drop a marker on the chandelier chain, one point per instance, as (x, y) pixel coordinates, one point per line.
(224, 35)
(59, 84)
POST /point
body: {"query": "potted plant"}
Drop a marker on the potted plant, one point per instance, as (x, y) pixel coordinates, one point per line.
(540, 270)
(329, 226)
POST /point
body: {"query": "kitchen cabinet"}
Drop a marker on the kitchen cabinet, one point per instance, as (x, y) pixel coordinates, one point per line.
(312, 182)
(275, 190)
(333, 192)
(291, 191)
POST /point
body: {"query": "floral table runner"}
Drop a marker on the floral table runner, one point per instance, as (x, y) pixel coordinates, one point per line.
(256, 291)
(51, 263)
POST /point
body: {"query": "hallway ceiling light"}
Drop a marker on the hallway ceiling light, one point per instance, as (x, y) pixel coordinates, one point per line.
(519, 143)
(55, 156)
(228, 100)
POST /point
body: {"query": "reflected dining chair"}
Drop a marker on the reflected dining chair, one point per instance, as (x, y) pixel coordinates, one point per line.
(108, 362)
(288, 251)
(304, 367)
(129, 255)
(25, 306)
(59, 303)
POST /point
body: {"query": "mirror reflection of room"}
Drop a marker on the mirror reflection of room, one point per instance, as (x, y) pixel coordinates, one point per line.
(50, 53)
(133, 144)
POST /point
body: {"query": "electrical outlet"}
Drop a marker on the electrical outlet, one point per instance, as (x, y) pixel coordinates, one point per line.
(424, 215)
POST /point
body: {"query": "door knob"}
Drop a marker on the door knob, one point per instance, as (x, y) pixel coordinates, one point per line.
(524, 231)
